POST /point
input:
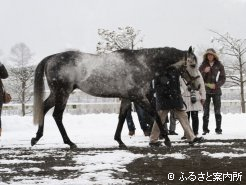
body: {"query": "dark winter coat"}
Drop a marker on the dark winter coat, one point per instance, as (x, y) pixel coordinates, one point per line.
(210, 77)
(151, 94)
(3, 75)
(168, 93)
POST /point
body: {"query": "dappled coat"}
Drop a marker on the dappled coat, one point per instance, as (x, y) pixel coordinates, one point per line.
(200, 94)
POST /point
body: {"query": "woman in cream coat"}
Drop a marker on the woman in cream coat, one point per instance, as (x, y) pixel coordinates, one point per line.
(194, 101)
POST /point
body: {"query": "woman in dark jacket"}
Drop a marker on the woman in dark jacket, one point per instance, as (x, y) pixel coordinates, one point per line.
(213, 74)
(3, 75)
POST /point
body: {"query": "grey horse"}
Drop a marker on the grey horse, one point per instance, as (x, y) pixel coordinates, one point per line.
(125, 74)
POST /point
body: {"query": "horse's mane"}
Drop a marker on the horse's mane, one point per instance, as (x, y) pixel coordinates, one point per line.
(153, 51)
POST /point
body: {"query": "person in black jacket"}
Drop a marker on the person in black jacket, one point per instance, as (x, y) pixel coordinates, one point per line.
(168, 97)
(3, 75)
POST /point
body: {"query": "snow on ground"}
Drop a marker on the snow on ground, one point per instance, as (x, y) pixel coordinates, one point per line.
(222, 154)
(97, 131)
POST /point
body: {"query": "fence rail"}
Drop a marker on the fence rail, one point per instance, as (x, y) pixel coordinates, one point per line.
(227, 106)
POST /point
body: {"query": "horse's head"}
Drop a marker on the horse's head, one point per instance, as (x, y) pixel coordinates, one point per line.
(189, 71)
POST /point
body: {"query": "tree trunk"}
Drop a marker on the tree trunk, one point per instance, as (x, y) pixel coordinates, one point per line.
(23, 99)
(242, 85)
(242, 98)
(23, 111)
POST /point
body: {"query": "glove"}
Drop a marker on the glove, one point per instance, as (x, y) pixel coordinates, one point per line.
(210, 86)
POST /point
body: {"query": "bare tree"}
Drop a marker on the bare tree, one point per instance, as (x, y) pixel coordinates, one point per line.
(21, 74)
(123, 38)
(235, 71)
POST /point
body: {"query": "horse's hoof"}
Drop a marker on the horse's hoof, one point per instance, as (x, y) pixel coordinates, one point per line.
(122, 146)
(73, 146)
(33, 141)
(168, 143)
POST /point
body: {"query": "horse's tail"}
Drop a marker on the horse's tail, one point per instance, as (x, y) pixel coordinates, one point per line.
(39, 88)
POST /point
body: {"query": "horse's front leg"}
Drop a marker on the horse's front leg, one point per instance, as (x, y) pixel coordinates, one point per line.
(124, 106)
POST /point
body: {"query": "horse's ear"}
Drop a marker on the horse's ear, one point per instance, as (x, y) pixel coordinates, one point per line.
(190, 49)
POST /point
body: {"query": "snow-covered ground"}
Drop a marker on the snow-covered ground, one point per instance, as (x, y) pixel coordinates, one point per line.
(97, 131)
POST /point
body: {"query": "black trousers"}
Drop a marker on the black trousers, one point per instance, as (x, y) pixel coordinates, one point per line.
(195, 120)
(142, 117)
(217, 105)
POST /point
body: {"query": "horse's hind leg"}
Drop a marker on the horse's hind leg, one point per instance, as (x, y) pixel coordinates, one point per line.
(125, 104)
(60, 104)
(48, 104)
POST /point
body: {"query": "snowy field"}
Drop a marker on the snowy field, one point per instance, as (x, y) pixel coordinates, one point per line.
(93, 131)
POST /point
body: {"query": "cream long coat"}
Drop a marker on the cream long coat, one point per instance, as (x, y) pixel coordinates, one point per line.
(200, 94)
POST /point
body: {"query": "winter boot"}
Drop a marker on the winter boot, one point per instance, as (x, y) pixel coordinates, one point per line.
(196, 140)
(205, 125)
(146, 133)
(131, 132)
(218, 129)
(205, 132)
(172, 133)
